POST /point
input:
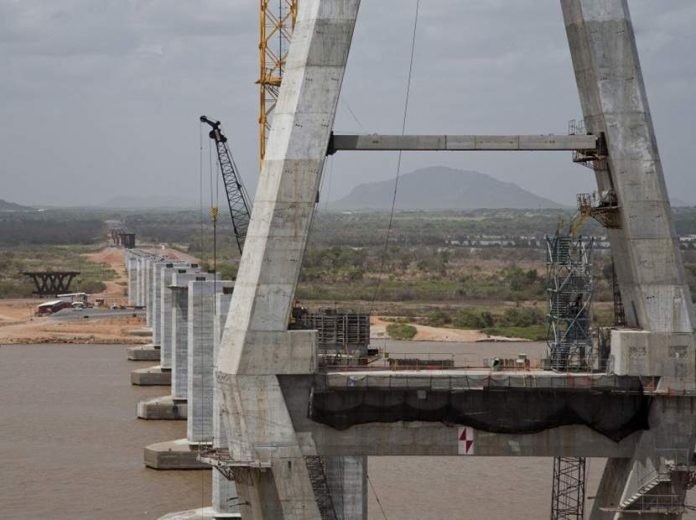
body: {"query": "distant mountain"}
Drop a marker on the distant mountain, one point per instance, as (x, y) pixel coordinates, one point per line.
(150, 203)
(11, 206)
(440, 188)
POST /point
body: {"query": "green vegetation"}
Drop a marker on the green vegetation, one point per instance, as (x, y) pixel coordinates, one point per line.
(401, 331)
(15, 260)
(50, 228)
(533, 333)
(521, 322)
(437, 270)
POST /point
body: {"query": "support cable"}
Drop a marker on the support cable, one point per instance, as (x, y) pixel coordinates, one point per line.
(398, 163)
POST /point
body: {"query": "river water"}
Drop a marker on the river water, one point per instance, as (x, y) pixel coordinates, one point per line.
(71, 448)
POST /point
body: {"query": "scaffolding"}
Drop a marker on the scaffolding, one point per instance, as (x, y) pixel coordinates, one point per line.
(569, 293)
(568, 492)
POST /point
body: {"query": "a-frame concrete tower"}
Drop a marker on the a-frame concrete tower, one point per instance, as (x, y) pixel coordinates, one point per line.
(299, 438)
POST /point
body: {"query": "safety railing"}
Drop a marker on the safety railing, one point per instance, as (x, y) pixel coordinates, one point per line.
(484, 381)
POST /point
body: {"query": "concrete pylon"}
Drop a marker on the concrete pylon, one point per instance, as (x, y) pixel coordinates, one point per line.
(283, 462)
(273, 477)
(648, 262)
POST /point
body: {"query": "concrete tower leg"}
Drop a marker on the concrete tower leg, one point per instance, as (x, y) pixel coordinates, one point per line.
(614, 103)
(347, 479)
(273, 479)
(646, 253)
(225, 500)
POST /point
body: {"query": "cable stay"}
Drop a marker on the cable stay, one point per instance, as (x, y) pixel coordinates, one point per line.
(407, 101)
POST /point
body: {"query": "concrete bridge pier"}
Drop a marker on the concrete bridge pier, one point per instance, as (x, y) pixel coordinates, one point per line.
(193, 317)
(131, 260)
(160, 375)
(347, 480)
(213, 298)
(151, 352)
(147, 288)
(140, 277)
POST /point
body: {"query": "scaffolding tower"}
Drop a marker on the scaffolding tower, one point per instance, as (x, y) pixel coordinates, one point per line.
(569, 347)
(568, 493)
(569, 293)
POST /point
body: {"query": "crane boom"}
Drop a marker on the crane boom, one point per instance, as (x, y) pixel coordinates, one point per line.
(237, 197)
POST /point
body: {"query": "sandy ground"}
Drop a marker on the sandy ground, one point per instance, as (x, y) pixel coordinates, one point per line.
(19, 325)
(378, 330)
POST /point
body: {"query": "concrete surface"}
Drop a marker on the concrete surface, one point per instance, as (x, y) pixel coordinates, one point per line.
(151, 376)
(144, 353)
(173, 455)
(162, 409)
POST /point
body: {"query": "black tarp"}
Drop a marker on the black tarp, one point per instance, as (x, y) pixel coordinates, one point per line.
(615, 414)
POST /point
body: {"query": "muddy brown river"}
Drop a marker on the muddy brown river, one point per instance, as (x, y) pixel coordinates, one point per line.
(71, 448)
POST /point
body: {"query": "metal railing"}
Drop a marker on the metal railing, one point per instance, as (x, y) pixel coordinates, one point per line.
(486, 381)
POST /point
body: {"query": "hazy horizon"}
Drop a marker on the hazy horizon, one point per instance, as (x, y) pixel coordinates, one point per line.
(103, 102)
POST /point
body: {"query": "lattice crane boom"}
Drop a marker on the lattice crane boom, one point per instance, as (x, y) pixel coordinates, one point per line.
(276, 23)
(237, 197)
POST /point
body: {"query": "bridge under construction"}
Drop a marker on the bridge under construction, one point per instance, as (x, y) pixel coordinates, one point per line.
(298, 436)
(290, 424)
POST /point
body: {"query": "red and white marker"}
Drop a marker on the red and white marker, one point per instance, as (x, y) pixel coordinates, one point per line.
(466, 440)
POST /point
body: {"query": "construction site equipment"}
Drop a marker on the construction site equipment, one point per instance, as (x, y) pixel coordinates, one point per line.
(339, 333)
(569, 294)
(51, 283)
(237, 197)
(568, 492)
(276, 24)
(569, 291)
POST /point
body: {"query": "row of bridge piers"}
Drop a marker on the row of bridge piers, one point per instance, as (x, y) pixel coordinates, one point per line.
(186, 310)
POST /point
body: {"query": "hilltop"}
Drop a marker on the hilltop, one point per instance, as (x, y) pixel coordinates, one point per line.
(441, 188)
(11, 206)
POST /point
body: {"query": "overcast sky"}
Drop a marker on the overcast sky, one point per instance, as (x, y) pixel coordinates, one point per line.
(101, 98)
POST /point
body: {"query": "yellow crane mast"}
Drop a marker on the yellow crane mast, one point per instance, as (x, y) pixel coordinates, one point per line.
(276, 24)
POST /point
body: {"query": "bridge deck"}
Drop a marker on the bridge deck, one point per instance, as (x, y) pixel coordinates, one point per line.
(424, 412)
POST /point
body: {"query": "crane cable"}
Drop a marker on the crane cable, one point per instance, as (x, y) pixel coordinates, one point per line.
(214, 187)
(398, 163)
(200, 184)
(379, 502)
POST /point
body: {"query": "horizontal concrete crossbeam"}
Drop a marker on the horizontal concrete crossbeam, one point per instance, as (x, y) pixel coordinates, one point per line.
(462, 143)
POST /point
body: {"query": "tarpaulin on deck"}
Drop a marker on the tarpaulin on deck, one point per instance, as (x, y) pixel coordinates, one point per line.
(613, 412)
